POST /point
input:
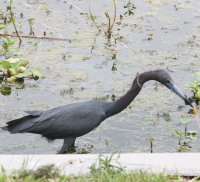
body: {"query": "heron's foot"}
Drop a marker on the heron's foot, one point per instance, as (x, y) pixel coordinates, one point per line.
(68, 146)
(61, 152)
(71, 149)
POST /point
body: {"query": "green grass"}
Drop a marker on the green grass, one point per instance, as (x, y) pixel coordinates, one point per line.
(52, 174)
(104, 171)
(105, 176)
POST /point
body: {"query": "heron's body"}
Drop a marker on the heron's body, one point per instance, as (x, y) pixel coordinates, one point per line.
(61, 122)
(74, 120)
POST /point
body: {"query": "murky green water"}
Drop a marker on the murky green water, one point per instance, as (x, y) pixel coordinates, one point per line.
(85, 63)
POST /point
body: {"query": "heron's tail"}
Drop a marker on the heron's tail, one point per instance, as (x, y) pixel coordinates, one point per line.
(20, 125)
(4, 128)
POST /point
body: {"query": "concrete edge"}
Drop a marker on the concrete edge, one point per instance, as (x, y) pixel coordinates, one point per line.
(184, 164)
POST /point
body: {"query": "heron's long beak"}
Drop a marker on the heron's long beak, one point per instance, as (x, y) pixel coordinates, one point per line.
(176, 90)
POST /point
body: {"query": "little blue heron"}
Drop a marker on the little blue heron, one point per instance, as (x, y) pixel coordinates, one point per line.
(74, 120)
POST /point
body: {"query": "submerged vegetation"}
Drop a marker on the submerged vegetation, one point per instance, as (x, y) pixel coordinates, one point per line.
(130, 8)
(107, 27)
(185, 136)
(12, 18)
(195, 87)
(16, 71)
(6, 44)
(13, 69)
(110, 23)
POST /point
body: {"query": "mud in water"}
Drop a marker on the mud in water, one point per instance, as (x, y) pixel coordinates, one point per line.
(162, 34)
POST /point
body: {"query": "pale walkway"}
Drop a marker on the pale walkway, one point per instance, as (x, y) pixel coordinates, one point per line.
(74, 164)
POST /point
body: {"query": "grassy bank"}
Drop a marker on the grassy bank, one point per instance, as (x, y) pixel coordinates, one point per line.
(106, 176)
(43, 175)
(107, 170)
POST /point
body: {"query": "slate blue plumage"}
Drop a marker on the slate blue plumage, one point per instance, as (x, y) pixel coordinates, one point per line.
(74, 120)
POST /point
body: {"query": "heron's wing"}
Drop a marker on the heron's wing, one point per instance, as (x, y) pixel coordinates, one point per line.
(33, 113)
(76, 119)
(70, 120)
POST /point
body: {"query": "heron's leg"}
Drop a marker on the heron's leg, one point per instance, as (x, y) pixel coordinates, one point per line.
(68, 144)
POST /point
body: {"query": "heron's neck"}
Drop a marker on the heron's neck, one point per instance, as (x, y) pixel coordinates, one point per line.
(125, 100)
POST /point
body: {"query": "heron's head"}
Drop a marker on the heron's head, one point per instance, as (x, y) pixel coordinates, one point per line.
(163, 77)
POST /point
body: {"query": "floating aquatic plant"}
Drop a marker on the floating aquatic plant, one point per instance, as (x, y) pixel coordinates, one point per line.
(184, 136)
(195, 87)
(15, 70)
(109, 25)
(5, 44)
(130, 8)
(31, 22)
(10, 8)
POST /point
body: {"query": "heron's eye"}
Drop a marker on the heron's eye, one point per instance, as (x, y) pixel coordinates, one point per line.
(167, 81)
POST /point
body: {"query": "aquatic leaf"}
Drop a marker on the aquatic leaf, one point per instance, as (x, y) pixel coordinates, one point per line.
(130, 6)
(197, 94)
(194, 89)
(36, 78)
(187, 141)
(191, 111)
(130, 12)
(37, 72)
(13, 19)
(12, 72)
(193, 83)
(22, 75)
(5, 64)
(24, 62)
(184, 121)
(16, 65)
(12, 60)
(5, 90)
(8, 41)
(193, 133)
(114, 56)
(114, 68)
(178, 133)
(17, 53)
